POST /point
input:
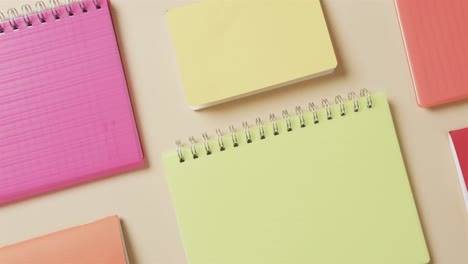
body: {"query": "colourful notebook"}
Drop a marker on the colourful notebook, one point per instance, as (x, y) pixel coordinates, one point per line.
(65, 113)
(459, 144)
(324, 186)
(434, 32)
(230, 49)
(101, 242)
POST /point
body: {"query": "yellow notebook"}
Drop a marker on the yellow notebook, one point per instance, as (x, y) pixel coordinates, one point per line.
(228, 49)
(330, 187)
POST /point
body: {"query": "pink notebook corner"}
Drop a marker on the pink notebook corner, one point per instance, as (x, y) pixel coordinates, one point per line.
(65, 112)
(435, 37)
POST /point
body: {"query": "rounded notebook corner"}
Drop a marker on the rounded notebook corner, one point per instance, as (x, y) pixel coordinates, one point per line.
(195, 107)
(423, 103)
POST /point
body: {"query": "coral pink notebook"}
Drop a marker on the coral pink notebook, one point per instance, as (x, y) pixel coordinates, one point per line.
(434, 32)
(101, 242)
(65, 112)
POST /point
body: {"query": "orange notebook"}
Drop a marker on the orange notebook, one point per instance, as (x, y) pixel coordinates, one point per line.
(100, 242)
(436, 42)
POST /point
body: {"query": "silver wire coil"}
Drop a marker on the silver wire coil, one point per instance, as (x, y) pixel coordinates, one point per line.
(14, 16)
(246, 129)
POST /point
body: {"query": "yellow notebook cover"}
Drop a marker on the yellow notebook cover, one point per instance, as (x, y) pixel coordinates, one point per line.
(228, 49)
(331, 192)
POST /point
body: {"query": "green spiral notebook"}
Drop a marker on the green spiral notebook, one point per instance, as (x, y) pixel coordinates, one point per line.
(323, 186)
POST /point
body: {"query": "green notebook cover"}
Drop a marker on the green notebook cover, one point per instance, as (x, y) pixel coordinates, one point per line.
(327, 193)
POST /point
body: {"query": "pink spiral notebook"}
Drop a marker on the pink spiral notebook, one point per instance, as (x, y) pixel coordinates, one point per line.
(65, 111)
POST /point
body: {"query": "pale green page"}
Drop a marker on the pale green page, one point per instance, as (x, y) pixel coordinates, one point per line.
(332, 192)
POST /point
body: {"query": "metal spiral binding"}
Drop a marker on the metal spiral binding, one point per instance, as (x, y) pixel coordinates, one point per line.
(352, 96)
(2, 18)
(193, 148)
(248, 136)
(261, 130)
(41, 8)
(235, 142)
(274, 124)
(207, 144)
(313, 109)
(69, 9)
(326, 105)
(54, 10)
(222, 147)
(13, 14)
(179, 151)
(287, 118)
(301, 116)
(339, 101)
(27, 12)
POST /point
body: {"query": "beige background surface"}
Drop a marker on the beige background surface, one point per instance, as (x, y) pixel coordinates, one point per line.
(371, 55)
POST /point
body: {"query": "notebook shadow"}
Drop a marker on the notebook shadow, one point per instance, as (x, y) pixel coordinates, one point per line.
(337, 45)
(130, 83)
(128, 242)
(277, 94)
(409, 172)
(127, 173)
(448, 106)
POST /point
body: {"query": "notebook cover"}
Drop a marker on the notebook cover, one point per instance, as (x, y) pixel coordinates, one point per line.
(332, 192)
(459, 144)
(100, 242)
(434, 32)
(65, 113)
(230, 49)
